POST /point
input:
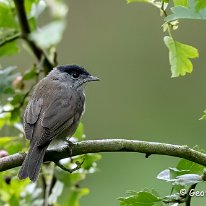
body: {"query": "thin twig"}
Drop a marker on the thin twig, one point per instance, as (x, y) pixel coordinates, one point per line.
(163, 9)
(165, 15)
(181, 198)
(78, 166)
(189, 197)
(10, 39)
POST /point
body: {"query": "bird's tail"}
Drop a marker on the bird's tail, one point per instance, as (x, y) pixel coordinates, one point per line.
(32, 163)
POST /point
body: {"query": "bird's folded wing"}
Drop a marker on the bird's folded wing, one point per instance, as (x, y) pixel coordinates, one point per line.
(58, 115)
(53, 111)
(31, 116)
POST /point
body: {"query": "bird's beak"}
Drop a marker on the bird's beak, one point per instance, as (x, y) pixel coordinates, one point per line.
(92, 78)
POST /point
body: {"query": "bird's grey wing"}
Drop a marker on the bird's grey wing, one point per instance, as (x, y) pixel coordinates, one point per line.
(59, 114)
(31, 116)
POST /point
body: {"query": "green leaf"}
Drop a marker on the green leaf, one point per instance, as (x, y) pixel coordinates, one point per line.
(71, 196)
(189, 12)
(190, 166)
(89, 162)
(164, 175)
(185, 180)
(4, 141)
(33, 9)
(28, 5)
(32, 195)
(67, 178)
(10, 192)
(32, 24)
(9, 49)
(179, 56)
(4, 119)
(188, 179)
(186, 173)
(15, 115)
(8, 41)
(7, 14)
(170, 174)
(30, 74)
(11, 144)
(14, 201)
(173, 198)
(200, 4)
(7, 75)
(180, 2)
(8, 34)
(141, 198)
(79, 134)
(9, 90)
(65, 191)
(49, 35)
(17, 98)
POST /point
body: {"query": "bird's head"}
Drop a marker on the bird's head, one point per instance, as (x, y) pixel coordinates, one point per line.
(75, 75)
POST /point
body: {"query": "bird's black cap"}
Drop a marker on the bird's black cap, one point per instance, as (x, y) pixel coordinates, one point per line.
(72, 68)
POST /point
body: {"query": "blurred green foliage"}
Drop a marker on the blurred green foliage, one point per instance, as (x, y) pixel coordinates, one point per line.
(144, 197)
(15, 86)
(180, 179)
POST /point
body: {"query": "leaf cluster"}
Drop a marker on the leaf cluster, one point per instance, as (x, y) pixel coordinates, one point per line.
(180, 54)
(180, 180)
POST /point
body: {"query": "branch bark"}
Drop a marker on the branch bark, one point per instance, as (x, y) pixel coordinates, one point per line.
(109, 145)
(25, 33)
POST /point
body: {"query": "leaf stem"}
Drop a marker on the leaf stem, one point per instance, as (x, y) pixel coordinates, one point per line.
(165, 14)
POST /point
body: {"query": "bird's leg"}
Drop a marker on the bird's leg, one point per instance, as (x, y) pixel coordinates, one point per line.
(70, 144)
(78, 164)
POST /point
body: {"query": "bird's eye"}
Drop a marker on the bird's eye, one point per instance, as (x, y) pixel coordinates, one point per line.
(75, 75)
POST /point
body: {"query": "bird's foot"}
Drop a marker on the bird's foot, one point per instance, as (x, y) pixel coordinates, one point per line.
(70, 144)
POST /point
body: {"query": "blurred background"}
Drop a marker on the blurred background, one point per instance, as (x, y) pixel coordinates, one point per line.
(136, 98)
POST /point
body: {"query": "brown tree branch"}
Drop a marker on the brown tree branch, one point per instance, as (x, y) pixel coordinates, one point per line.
(25, 32)
(109, 145)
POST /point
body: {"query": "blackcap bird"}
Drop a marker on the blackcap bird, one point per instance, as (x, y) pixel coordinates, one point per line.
(53, 112)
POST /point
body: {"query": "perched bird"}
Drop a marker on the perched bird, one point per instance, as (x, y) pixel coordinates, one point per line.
(53, 112)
